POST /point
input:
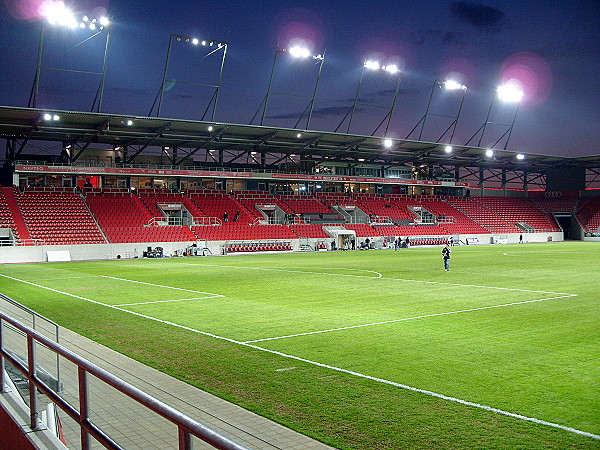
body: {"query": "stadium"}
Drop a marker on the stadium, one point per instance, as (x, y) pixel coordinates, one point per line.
(169, 282)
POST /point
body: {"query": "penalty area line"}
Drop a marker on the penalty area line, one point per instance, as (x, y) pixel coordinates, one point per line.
(408, 318)
(326, 366)
(162, 286)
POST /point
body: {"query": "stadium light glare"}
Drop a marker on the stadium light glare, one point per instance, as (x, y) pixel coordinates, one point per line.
(47, 116)
(489, 153)
(520, 156)
(210, 128)
(129, 122)
(392, 68)
(299, 52)
(510, 93)
(372, 65)
(387, 143)
(195, 41)
(299, 135)
(448, 149)
(452, 85)
(361, 159)
(104, 21)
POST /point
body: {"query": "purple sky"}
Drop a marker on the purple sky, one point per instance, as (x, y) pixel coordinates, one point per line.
(550, 47)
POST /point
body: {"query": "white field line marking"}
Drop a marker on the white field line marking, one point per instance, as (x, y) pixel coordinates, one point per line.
(121, 309)
(162, 286)
(443, 283)
(164, 301)
(431, 393)
(326, 366)
(408, 318)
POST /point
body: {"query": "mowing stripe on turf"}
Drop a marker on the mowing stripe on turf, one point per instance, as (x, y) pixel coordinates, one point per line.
(381, 277)
(164, 301)
(408, 318)
(326, 366)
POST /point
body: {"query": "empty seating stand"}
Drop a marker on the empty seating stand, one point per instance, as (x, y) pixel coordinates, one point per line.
(589, 214)
(124, 218)
(58, 216)
(519, 210)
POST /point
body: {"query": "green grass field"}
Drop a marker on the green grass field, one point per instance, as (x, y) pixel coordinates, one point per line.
(370, 349)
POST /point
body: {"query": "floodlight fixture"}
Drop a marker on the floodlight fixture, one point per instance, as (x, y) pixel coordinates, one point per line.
(392, 68)
(452, 85)
(55, 117)
(210, 128)
(388, 143)
(361, 159)
(104, 21)
(299, 52)
(129, 122)
(47, 116)
(448, 149)
(520, 156)
(371, 64)
(489, 153)
(195, 41)
(204, 43)
(510, 93)
(299, 135)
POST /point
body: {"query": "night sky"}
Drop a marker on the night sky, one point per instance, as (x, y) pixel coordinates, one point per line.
(552, 48)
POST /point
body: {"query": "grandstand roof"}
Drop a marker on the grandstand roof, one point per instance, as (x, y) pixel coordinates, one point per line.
(82, 129)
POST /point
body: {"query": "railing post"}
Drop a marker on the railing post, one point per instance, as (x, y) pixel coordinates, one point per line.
(1, 357)
(185, 440)
(30, 376)
(83, 408)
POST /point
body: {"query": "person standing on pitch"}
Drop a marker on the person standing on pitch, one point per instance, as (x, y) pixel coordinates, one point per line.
(446, 256)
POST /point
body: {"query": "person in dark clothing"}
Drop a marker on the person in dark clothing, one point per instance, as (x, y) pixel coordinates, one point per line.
(237, 216)
(446, 256)
(225, 216)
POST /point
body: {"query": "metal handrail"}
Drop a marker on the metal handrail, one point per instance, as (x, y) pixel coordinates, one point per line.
(187, 427)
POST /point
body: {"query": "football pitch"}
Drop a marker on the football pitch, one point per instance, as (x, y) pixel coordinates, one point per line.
(362, 349)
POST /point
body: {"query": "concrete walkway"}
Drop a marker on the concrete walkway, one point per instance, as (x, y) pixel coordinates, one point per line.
(133, 426)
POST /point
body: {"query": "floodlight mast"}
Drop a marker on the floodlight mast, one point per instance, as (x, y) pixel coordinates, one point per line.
(450, 85)
(295, 52)
(217, 87)
(507, 94)
(375, 66)
(102, 24)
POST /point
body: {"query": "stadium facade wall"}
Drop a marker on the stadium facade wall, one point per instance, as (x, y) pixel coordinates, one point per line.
(29, 254)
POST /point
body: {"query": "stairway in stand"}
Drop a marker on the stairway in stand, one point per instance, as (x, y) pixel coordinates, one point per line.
(11, 201)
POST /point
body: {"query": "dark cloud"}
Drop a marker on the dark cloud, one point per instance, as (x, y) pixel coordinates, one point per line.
(482, 17)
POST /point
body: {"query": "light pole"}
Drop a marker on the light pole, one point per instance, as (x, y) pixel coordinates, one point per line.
(297, 53)
(450, 86)
(372, 65)
(506, 93)
(213, 47)
(59, 16)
